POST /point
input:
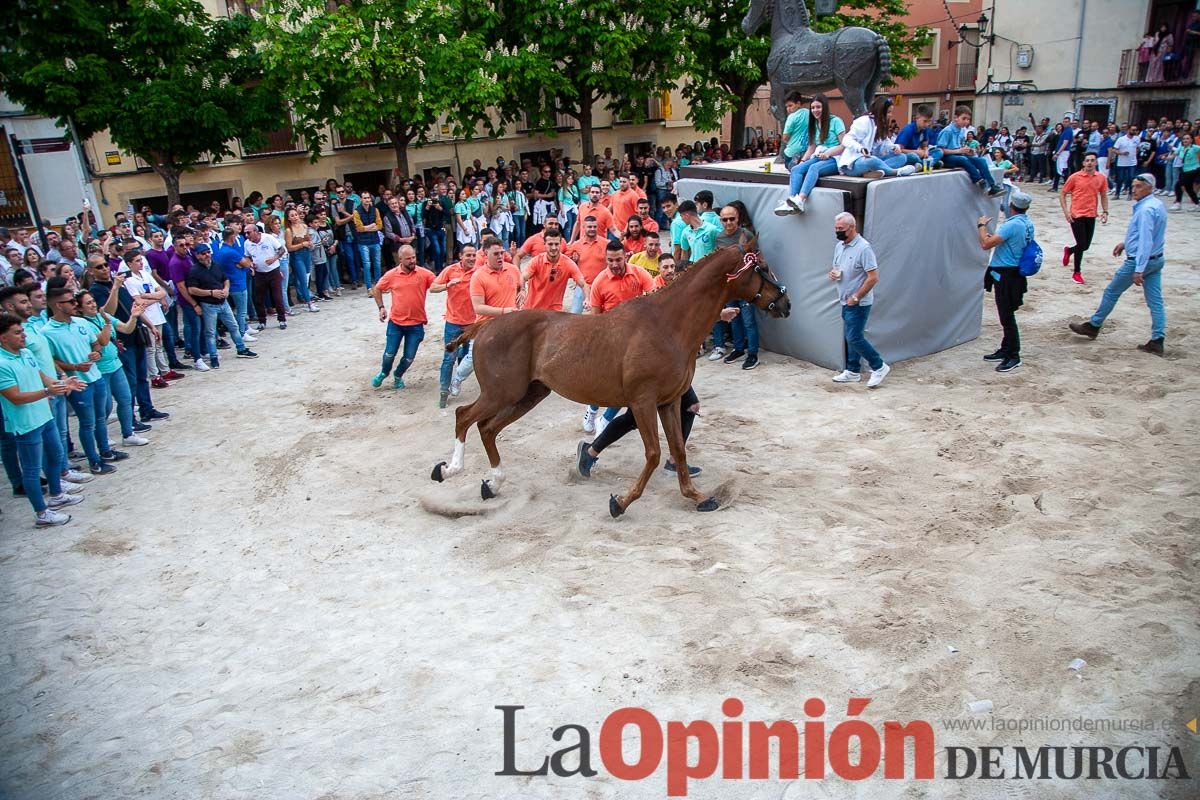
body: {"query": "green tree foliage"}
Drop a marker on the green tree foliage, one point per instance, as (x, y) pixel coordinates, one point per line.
(399, 67)
(171, 84)
(725, 67)
(618, 51)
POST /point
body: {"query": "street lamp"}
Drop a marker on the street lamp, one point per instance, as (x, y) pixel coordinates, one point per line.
(981, 36)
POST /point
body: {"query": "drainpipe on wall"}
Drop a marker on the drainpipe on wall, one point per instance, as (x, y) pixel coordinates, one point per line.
(1078, 53)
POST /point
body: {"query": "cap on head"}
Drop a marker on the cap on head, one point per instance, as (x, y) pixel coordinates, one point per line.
(1147, 178)
(201, 248)
(1020, 201)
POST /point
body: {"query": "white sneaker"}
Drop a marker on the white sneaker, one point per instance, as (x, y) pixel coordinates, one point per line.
(455, 385)
(313, 307)
(51, 517)
(77, 477)
(846, 376)
(784, 209)
(601, 424)
(906, 170)
(200, 365)
(796, 201)
(249, 337)
(717, 354)
(135, 440)
(63, 500)
(70, 488)
(589, 421)
(1176, 207)
(877, 376)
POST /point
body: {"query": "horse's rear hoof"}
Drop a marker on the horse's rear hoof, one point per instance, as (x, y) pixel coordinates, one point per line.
(614, 507)
(485, 491)
(437, 472)
(710, 504)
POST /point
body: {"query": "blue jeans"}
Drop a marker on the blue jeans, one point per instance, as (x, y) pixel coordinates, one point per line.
(285, 274)
(116, 388)
(569, 225)
(58, 407)
(133, 360)
(91, 409)
(369, 256)
(213, 312)
(412, 336)
(301, 263)
(171, 333)
(745, 327)
(450, 333)
(8, 454)
(192, 327)
(349, 253)
(976, 167)
(1172, 173)
(864, 164)
(854, 322)
(239, 301)
(1125, 180)
(806, 174)
(38, 450)
(518, 229)
(437, 248)
(1151, 287)
(577, 301)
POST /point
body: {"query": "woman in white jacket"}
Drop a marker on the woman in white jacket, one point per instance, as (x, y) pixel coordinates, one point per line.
(867, 136)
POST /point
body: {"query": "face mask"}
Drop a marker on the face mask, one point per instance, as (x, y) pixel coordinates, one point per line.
(841, 235)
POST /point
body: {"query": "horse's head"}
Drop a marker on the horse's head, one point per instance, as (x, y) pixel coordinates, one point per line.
(759, 11)
(754, 282)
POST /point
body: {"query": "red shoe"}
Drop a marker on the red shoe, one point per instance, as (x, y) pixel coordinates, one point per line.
(159, 383)
(1077, 277)
(1066, 256)
(174, 376)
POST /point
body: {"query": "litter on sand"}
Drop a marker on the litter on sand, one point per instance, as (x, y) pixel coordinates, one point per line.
(1077, 664)
(980, 706)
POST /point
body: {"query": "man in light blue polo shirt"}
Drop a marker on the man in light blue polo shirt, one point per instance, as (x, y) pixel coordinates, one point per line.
(1003, 277)
(956, 153)
(1145, 240)
(700, 237)
(23, 392)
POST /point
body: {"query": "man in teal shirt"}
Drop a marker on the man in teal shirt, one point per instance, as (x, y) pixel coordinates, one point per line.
(23, 392)
(76, 347)
(700, 238)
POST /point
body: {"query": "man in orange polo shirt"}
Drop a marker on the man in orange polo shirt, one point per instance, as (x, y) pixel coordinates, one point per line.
(496, 290)
(648, 223)
(624, 201)
(545, 277)
(455, 281)
(408, 284)
(1082, 192)
(634, 239)
(666, 271)
(536, 245)
(588, 252)
(594, 207)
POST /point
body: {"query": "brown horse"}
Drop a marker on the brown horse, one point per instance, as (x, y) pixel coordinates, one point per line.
(641, 355)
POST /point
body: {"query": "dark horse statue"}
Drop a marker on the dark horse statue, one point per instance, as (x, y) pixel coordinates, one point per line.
(853, 60)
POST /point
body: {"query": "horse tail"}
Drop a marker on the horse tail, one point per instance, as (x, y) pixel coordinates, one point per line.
(883, 66)
(467, 335)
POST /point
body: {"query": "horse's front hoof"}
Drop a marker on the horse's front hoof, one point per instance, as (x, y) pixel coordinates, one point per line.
(614, 507)
(437, 472)
(710, 504)
(485, 490)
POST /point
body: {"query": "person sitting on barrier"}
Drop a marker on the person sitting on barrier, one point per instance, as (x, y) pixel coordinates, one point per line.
(860, 145)
(956, 153)
(917, 140)
(821, 135)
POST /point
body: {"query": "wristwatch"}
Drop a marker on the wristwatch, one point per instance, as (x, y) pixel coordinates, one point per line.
(981, 225)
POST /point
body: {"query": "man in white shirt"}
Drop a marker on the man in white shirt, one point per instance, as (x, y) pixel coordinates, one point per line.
(264, 250)
(140, 283)
(1126, 150)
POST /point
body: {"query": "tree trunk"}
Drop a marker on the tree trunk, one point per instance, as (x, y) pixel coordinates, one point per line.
(585, 125)
(737, 128)
(166, 170)
(400, 145)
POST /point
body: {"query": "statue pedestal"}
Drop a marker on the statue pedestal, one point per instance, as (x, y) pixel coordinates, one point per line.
(922, 229)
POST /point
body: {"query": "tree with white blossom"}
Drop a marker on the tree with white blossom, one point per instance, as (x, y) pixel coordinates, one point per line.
(171, 84)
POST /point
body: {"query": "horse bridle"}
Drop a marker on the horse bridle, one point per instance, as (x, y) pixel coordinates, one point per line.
(765, 278)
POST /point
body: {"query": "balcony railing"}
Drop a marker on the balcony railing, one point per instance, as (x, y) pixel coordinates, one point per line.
(280, 141)
(562, 122)
(652, 111)
(1174, 73)
(342, 141)
(965, 76)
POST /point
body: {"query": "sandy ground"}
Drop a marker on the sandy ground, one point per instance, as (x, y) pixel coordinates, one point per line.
(256, 606)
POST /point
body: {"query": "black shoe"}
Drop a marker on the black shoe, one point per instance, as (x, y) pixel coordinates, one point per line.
(1009, 364)
(583, 460)
(734, 356)
(751, 361)
(75, 455)
(214, 363)
(155, 414)
(1154, 347)
(222, 344)
(693, 470)
(180, 366)
(114, 455)
(247, 353)
(102, 469)
(141, 427)
(1085, 328)
(994, 191)
(996, 356)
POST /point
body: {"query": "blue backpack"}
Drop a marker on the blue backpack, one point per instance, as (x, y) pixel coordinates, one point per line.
(1031, 256)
